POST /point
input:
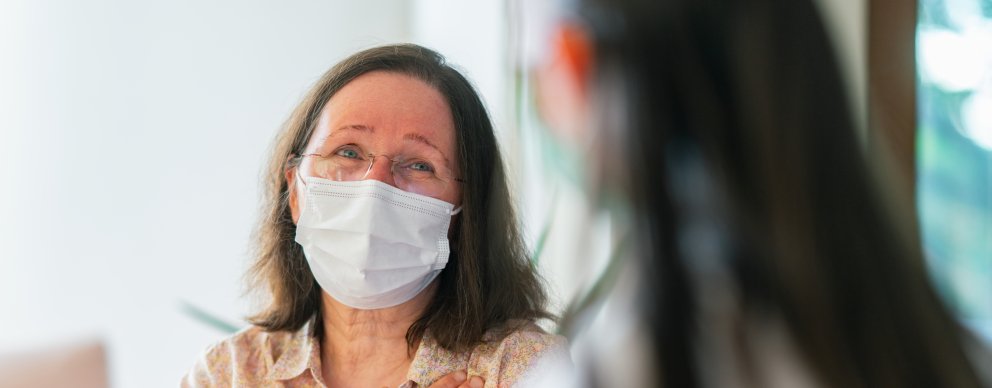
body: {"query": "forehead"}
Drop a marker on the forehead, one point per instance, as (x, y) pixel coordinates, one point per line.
(394, 105)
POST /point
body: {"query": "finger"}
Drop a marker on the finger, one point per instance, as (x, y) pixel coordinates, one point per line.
(451, 380)
(474, 382)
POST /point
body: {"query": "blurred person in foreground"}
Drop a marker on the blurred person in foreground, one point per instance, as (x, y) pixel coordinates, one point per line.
(388, 245)
(763, 250)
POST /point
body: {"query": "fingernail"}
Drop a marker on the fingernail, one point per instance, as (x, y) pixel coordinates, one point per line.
(476, 382)
(460, 376)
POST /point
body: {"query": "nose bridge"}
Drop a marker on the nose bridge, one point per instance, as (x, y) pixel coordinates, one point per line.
(381, 169)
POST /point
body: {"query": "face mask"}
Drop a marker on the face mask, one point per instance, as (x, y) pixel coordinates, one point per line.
(371, 245)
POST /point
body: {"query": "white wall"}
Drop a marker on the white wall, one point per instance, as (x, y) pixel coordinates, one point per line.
(131, 139)
(472, 35)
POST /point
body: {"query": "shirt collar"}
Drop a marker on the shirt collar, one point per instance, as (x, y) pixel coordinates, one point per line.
(301, 353)
(432, 362)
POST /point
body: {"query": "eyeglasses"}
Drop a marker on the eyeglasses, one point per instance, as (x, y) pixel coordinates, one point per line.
(416, 175)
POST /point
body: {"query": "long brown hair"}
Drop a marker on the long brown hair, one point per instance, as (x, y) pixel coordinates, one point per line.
(745, 97)
(488, 281)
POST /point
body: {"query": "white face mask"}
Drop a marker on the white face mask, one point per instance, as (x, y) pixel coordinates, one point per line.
(371, 245)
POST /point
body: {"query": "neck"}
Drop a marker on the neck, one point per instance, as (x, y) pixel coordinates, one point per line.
(368, 347)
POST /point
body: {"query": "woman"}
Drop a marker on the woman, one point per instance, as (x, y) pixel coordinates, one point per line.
(765, 252)
(388, 244)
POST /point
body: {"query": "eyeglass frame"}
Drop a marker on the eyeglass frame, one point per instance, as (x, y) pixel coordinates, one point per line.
(372, 157)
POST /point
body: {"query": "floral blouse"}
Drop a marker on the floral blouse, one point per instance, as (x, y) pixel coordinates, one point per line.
(256, 358)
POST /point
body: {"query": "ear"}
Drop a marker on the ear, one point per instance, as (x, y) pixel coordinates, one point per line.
(293, 195)
(564, 80)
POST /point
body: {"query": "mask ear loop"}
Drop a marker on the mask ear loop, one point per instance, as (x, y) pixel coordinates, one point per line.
(457, 210)
(300, 190)
(297, 175)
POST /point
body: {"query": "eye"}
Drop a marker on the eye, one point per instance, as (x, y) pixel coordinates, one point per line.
(421, 166)
(348, 152)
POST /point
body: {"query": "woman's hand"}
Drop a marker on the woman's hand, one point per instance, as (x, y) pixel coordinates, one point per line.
(459, 379)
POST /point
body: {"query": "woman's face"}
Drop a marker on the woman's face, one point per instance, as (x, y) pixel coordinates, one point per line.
(390, 115)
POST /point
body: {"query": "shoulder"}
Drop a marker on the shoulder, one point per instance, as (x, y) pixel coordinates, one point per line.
(509, 355)
(242, 357)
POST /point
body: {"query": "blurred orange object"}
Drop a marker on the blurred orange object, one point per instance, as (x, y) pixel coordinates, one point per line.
(82, 365)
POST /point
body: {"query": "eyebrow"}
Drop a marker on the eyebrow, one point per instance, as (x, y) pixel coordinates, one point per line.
(352, 127)
(421, 139)
(347, 128)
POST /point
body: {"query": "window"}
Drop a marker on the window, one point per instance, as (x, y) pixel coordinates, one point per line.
(954, 152)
